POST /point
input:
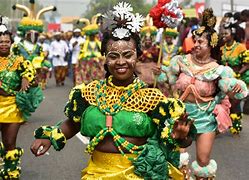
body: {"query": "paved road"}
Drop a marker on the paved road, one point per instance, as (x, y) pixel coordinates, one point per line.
(230, 153)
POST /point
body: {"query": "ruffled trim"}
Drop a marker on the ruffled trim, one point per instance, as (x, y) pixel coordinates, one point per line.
(29, 101)
(206, 171)
(151, 163)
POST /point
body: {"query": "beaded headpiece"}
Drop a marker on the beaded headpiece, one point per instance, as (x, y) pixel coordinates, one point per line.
(90, 28)
(121, 21)
(208, 21)
(31, 21)
(148, 29)
(3, 24)
(171, 32)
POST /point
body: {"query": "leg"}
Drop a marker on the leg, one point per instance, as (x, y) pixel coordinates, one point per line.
(204, 168)
(11, 155)
(236, 116)
(73, 69)
(56, 75)
(63, 74)
(9, 135)
(184, 163)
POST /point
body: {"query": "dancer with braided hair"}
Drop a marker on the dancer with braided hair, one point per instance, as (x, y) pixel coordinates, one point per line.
(135, 131)
(203, 86)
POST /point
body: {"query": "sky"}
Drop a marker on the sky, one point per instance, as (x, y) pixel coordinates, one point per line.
(68, 7)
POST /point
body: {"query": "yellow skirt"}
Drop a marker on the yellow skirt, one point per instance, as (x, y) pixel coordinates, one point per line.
(114, 166)
(9, 112)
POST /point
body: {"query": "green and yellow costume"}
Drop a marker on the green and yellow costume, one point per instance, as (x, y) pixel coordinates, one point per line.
(17, 106)
(103, 109)
(235, 57)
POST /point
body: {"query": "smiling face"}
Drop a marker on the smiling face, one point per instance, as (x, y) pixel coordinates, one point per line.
(5, 44)
(227, 35)
(121, 59)
(201, 46)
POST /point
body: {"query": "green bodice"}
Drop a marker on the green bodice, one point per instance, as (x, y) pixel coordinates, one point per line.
(125, 123)
(10, 80)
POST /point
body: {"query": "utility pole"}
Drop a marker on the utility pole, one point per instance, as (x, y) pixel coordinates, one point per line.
(232, 3)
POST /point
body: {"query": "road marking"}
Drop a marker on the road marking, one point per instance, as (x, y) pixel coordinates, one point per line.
(83, 139)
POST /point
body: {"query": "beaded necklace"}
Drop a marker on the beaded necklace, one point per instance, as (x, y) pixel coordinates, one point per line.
(169, 50)
(102, 94)
(231, 49)
(119, 142)
(6, 62)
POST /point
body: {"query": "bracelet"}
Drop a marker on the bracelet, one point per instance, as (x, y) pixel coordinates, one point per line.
(52, 133)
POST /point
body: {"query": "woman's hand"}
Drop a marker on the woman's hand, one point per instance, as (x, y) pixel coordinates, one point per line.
(25, 84)
(236, 89)
(156, 70)
(181, 128)
(40, 146)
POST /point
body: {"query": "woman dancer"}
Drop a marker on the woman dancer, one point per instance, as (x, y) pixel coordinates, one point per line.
(202, 85)
(136, 127)
(16, 78)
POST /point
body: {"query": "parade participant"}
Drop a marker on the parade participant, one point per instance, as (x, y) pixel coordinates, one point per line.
(146, 67)
(137, 130)
(58, 53)
(90, 63)
(74, 47)
(231, 57)
(16, 102)
(45, 71)
(202, 85)
(31, 26)
(169, 51)
(169, 48)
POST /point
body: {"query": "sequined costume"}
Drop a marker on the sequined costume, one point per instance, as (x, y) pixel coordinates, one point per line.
(15, 106)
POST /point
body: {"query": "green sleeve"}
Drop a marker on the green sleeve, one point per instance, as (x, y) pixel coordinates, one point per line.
(76, 104)
(165, 115)
(174, 69)
(227, 82)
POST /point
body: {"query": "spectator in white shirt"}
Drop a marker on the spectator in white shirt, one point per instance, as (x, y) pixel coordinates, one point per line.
(74, 46)
(58, 53)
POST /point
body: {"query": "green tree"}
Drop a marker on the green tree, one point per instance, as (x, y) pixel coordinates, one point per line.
(101, 6)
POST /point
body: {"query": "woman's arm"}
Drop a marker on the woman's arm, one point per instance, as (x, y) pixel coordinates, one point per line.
(70, 128)
(52, 135)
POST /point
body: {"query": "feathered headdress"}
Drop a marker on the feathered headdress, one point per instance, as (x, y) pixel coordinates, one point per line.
(166, 14)
(208, 22)
(121, 21)
(3, 24)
